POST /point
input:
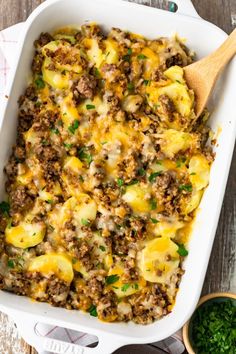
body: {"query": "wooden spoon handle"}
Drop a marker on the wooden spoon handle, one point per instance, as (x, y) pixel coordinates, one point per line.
(223, 54)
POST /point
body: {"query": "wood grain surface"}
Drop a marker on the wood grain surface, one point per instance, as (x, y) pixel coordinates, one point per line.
(221, 274)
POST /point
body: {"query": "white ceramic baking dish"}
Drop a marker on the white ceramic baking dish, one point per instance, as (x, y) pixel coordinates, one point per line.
(203, 38)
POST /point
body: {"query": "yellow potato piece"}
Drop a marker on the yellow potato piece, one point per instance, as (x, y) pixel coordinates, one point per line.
(74, 164)
(111, 54)
(54, 78)
(173, 141)
(167, 228)
(199, 171)
(86, 209)
(68, 110)
(94, 53)
(57, 264)
(122, 289)
(175, 73)
(159, 260)
(136, 197)
(191, 203)
(25, 235)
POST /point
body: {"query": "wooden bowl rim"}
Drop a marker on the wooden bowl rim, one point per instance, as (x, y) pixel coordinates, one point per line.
(201, 301)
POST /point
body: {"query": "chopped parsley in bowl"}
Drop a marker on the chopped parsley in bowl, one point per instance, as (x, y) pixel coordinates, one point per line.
(212, 327)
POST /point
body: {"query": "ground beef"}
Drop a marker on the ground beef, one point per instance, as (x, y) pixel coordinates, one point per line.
(17, 282)
(37, 63)
(20, 200)
(107, 308)
(167, 106)
(11, 169)
(174, 60)
(57, 291)
(85, 87)
(44, 39)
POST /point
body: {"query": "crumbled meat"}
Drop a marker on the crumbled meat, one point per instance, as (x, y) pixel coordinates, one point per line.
(174, 60)
(167, 106)
(44, 39)
(20, 200)
(37, 63)
(85, 87)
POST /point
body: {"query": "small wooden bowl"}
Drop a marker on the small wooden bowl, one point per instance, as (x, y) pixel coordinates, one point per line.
(186, 337)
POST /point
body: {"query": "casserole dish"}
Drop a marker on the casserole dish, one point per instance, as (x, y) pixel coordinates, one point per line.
(151, 23)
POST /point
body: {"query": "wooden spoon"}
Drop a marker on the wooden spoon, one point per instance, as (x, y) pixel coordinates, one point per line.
(202, 75)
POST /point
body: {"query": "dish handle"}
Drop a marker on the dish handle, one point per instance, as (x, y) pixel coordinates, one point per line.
(107, 343)
(185, 7)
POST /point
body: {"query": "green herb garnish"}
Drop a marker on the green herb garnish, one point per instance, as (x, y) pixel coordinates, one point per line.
(154, 175)
(146, 82)
(182, 250)
(120, 182)
(39, 83)
(74, 126)
(93, 311)
(125, 287)
(142, 56)
(129, 52)
(55, 131)
(130, 86)
(10, 263)
(5, 208)
(90, 106)
(214, 328)
(153, 204)
(111, 279)
(102, 248)
(154, 221)
(68, 146)
(141, 172)
(134, 181)
(186, 187)
(85, 156)
(135, 286)
(85, 222)
(193, 174)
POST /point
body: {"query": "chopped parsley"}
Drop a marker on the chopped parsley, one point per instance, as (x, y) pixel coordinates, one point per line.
(182, 250)
(85, 222)
(74, 126)
(5, 207)
(186, 187)
(55, 131)
(159, 163)
(134, 181)
(111, 279)
(141, 172)
(84, 156)
(180, 161)
(135, 286)
(93, 311)
(90, 106)
(154, 175)
(120, 182)
(146, 82)
(142, 56)
(154, 221)
(130, 86)
(49, 201)
(153, 204)
(39, 83)
(51, 228)
(102, 248)
(214, 327)
(68, 146)
(193, 174)
(125, 287)
(10, 263)
(129, 52)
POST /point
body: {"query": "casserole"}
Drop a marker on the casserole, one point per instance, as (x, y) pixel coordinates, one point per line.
(160, 23)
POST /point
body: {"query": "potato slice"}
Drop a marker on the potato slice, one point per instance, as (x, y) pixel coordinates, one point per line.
(58, 264)
(73, 164)
(159, 260)
(25, 235)
(199, 171)
(85, 210)
(137, 197)
(120, 288)
(54, 78)
(173, 141)
(190, 203)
